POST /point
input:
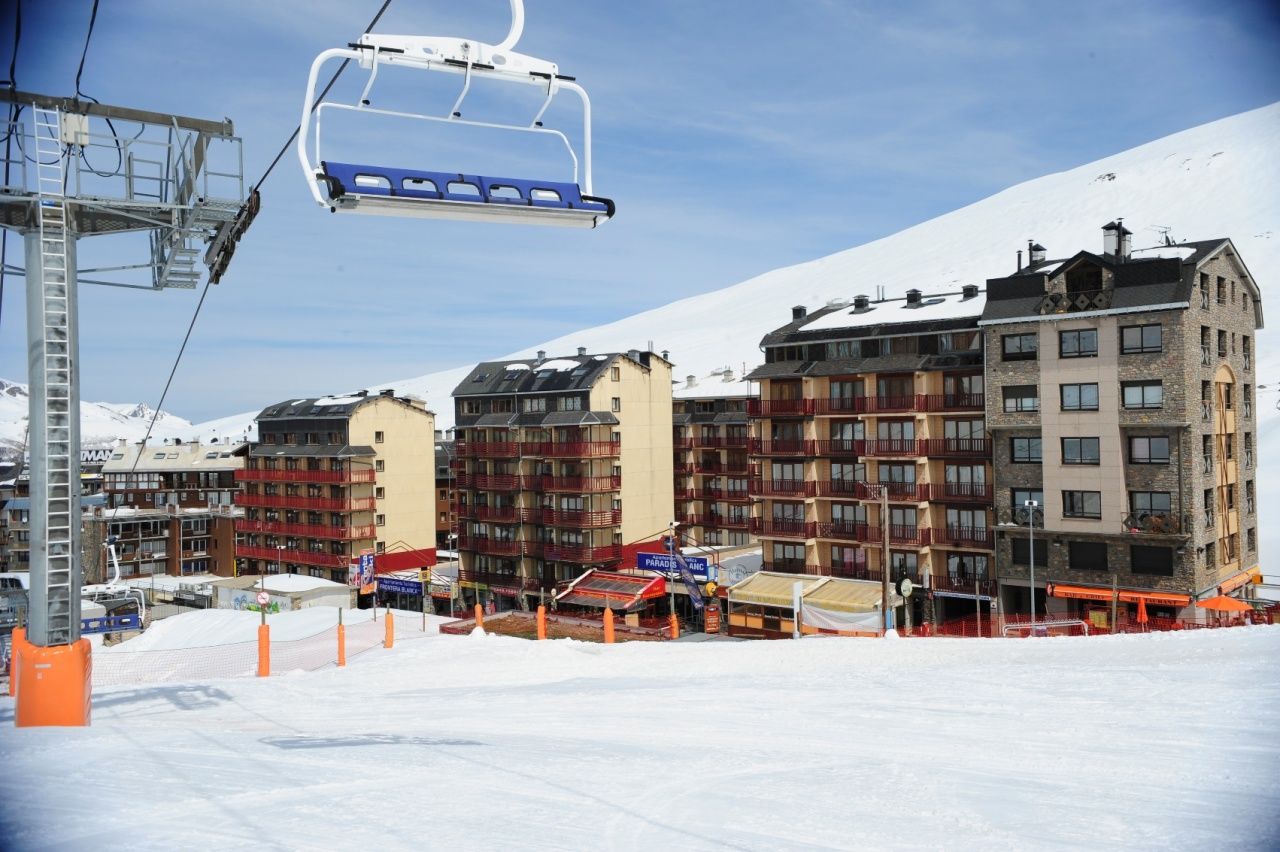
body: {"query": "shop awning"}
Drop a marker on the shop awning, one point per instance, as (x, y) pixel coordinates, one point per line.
(844, 595)
(770, 588)
(602, 589)
(1103, 595)
(1242, 579)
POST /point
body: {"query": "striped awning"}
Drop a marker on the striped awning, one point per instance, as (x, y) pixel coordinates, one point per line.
(1103, 595)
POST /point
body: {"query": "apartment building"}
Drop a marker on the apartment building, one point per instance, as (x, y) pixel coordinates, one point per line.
(564, 464)
(1121, 394)
(871, 419)
(170, 507)
(334, 477)
(446, 492)
(711, 467)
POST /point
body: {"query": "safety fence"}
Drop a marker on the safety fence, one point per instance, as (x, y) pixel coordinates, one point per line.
(241, 659)
(1014, 626)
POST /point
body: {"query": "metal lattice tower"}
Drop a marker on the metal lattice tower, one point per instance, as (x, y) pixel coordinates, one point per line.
(175, 185)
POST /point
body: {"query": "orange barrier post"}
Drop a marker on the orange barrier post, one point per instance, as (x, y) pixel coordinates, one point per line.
(57, 685)
(479, 616)
(608, 626)
(675, 626)
(542, 622)
(342, 645)
(389, 639)
(19, 638)
(264, 650)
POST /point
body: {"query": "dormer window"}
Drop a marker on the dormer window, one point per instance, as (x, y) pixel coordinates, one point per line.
(1086, 278)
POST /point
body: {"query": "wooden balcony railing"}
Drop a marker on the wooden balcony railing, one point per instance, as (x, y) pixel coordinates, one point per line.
(582, 553)
(981, 537)
(781, 528)
(846, 531)
(258, 475)
(788, 447)
(779, 407)
(955, 447)
(574, 484)
(968, 492)
(490, 546)
(325, 504)
(306, 530)
(301, 557)
(779, 488)
(578, 520)
(507, 514)
(571, 449)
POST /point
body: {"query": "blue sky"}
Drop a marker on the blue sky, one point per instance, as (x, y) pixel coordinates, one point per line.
(735, 136)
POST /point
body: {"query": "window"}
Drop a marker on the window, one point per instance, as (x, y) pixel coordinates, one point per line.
(380, 520)
(1222, 290)
(615, 374)
(1150, 502)
(1137, 339)
(615, 404)
(377, 437)
(1087, 555)
(1080, 451)
(1021, 398)
(1022, 552)
(1020, 496)
(1144, 559)
(379, 492)
(1024, 450)
(379, 465)
(1082, 343)
(1142, 394)
(1251, 535)
(1082, 504)
(1079, 397)
(571, 403)
(534, 404)
(1019, 347)
(1149, 450)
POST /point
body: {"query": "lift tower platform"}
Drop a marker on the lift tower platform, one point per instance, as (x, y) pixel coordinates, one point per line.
(171, 189)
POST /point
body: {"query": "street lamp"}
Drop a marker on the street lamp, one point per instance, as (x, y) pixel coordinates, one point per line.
(1029, 511)
(279, 557)
(881, 491)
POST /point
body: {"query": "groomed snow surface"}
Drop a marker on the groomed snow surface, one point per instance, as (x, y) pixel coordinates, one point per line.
(487, 742)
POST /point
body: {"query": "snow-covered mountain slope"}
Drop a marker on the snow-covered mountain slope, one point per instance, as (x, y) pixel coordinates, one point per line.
(100, 422)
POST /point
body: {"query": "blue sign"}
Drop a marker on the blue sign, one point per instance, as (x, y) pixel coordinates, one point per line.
(665, 563)
(403, 587)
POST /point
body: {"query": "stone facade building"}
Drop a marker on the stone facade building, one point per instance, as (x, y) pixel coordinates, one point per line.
(1121, 399)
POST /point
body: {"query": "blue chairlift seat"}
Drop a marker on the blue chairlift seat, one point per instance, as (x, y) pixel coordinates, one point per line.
(410, 192)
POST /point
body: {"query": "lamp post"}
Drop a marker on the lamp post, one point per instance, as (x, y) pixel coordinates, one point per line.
(881, 492)
(1031, 506)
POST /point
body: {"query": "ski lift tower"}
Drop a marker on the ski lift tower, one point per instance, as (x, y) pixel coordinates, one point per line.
(169, 189)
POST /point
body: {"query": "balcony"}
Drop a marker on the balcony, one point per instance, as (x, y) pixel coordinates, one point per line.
(980, 537)
(846, 531)
(306, 530)
(955, 447)
(497, 578)
(838, 405)
(781, 528)
(489, 481)
(915, 536)
(301, 557)
(888, 447)
(718, 521)
(792, 566)
(574, 484)
(503, 514)
(682, 468)
(734, 495)
(786, 447)
(259, 475)
(952, 402)
(1158, 523)
(839, 447)
(489, 449)
(323, 504)
(958, 492)
(963, 584)
(578, 520)
(779, 407)
(780, 488)
(582, 553)
(490, 546)
(571, 449)
(893, 403)
(856, 489)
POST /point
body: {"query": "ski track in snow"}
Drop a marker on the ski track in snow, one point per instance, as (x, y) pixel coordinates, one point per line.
(498, 743)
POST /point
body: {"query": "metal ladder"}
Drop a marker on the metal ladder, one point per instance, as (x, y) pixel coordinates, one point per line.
(54, 362)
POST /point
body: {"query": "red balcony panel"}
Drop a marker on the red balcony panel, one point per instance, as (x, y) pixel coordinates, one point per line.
(982, 537)
(326, 504)
(682, 467)
(490, 450)
(839, 447)
(580, 520)
(967, 585)
(498, 578)
(303, 557)
(856, 489)
(846, 531)
(881, 447)
(840, 405)
(683, 443)
(571, 449)
(792, 566)
(779, 407)
(582, 553)
(781, 528)
(246, 475)
(950, 492)
(790, 447)
(780, 487)
(716, 521)
(492, 481)
(955, 447)
(306, 530)
(915, 536)
(576, 484)
(953, 402)
(887, 404)
(506, 514)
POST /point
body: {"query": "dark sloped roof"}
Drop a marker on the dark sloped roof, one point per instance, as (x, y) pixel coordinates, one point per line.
(315, 450)
(580, 418)
(530, 376)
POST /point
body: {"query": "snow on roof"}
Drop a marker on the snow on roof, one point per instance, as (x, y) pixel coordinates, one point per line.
(164, 581)
(1179, 252)
(517, 367)
(296, 583)
(558, 364)
(950, 306)
(714, 387)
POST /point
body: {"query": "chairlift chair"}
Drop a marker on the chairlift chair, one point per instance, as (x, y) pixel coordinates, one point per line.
(393, 191)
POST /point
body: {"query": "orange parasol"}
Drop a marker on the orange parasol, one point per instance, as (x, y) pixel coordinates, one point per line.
(1142, 610)
(1223, 603)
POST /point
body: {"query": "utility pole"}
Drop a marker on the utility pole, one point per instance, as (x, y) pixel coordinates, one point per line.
(1031, 506)
(885, 611)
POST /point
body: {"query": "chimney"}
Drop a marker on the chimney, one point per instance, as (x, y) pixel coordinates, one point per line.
(634, 355)
(542, 355)
(799, 312)
(861, 303)
(913, 298)
(1035, 253)
(969, 291)
(1116, 240)
(1018, 268)
(690, 380)
(362, 393)
(728, 374)
(582, 350)
(387, 392)
(666, 355)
